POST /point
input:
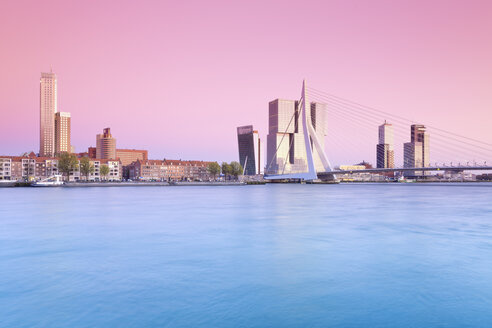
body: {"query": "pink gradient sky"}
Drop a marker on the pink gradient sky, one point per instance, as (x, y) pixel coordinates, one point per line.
(178, 77)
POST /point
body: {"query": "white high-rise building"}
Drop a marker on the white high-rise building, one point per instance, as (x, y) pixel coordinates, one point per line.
(386, 136)
(385, 154)
(47, 109)
(286, 150)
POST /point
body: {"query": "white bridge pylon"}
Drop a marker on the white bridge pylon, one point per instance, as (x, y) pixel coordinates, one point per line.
(310, 138)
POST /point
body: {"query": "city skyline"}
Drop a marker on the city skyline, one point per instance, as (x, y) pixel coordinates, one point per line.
(284, 120)
(396, 65)
(416, 153)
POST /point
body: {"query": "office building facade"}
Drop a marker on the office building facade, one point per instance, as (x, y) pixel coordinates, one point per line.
(286, 151)
(249, 146)
(416, 153)
(385, 154)
(419, 134)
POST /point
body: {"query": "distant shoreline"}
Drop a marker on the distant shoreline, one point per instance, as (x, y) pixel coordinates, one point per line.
(221, 183)
(129, 184)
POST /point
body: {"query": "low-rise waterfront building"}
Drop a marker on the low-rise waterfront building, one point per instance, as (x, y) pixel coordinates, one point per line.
(128, 156)
(358, 176)
(352, 167)
(168, 170)
(484, 177)
(458, 176)
(5, 168)
(115, 170)
(124, 156)
(92, 152)
(30, 167)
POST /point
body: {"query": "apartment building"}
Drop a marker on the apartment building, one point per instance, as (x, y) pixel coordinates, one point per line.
(30, 167)
(5, 168)
(115, 170)
(168, 170)
(128, 156)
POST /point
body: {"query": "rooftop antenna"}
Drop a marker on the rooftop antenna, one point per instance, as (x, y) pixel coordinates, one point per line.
(51, 68)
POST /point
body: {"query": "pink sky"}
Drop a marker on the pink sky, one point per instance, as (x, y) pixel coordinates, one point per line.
(178, 77)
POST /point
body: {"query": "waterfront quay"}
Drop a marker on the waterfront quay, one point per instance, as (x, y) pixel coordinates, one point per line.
(130, 184)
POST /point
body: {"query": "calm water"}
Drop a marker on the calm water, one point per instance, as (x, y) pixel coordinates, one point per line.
(363, 255)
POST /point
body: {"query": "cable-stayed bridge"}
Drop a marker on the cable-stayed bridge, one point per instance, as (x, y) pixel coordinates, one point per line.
(306, 159)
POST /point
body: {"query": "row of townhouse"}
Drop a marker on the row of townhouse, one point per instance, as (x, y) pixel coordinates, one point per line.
(168, 170)
(31, 167)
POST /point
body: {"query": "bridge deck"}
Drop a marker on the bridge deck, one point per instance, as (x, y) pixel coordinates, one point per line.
(307, 176)
(406, 169)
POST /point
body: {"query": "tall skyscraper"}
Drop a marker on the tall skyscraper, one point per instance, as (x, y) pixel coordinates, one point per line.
(286, 151)
(418, 134)
(47, 110)
(105, 145)
(384, 150)
(249, 145)
(416, 152)
(62, 133)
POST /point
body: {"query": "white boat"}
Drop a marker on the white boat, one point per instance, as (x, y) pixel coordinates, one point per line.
(7, 183)
(54, 181)
(405, 180)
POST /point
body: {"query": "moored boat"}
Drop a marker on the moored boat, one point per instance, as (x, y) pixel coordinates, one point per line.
(405, 180)
(54, 181)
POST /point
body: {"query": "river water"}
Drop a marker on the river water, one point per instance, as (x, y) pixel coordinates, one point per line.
(349, 255)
